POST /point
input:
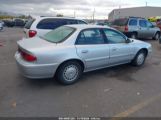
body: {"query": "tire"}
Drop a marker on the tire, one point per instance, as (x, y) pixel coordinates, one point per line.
(157, 36)
(69, 72)
(140, 58)
(134, 36)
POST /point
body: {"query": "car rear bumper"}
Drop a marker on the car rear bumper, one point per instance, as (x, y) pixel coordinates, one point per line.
(33, 70)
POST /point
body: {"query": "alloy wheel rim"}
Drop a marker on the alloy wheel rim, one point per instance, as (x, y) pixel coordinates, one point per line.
(70, 73)
(140, 59)
(157, 36)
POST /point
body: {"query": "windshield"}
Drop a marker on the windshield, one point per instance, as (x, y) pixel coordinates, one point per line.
(60, 34)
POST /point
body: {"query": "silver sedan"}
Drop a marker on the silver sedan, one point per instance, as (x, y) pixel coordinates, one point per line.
(68, 51)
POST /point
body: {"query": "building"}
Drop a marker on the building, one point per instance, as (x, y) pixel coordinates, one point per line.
(144, 12)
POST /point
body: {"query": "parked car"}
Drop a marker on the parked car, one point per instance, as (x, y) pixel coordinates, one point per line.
(158, 24)
(14, 23)
(19, 22)
(1, 25)
(70, 50)
(102, 24)
(136, 27)
(8, 23)
(41, 25)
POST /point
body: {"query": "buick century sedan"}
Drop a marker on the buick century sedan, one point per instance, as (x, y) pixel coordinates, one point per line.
(68, 51)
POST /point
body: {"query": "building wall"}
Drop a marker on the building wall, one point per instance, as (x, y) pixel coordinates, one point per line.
(144, 12)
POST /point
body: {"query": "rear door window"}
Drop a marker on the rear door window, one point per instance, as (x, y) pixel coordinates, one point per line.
(143, 23)
(133, 22)
(90, 37)
(29, 23)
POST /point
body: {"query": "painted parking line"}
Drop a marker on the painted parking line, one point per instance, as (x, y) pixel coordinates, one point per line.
(136, 108)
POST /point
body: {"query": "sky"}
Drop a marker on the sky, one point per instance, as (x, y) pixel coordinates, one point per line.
(73, 8)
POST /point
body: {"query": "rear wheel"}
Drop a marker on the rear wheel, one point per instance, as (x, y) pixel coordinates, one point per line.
(69, 72)
(139, 60)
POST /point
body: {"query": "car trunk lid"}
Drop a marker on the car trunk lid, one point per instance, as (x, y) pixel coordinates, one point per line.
(34, 43)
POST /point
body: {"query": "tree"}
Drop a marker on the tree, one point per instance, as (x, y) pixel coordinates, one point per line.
(59, 15)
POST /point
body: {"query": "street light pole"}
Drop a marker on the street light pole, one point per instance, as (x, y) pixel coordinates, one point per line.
(74, 13)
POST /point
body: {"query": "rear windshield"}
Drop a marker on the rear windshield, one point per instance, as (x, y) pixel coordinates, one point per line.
(59, 34)
(29, 23)
(120, 22)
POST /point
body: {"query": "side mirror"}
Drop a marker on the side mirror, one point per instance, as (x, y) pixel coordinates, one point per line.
(128, 40)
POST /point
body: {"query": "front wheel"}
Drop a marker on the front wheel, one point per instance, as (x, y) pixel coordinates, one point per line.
(139, 60)
(157, 36)
(69, 72)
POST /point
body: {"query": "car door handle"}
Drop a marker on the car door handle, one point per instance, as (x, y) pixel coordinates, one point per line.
(114, 49)
(84, 51)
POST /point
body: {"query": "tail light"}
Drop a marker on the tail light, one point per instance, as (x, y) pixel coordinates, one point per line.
(27, 56)
(32, 33)
(126, 28)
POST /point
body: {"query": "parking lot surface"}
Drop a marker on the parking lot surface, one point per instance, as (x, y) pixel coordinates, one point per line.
(123, 91)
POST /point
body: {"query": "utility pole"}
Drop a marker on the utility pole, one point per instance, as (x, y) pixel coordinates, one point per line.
(146, 3)
(93, 14)
(74, 13)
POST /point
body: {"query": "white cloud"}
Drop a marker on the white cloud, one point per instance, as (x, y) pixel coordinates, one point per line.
(82, 8)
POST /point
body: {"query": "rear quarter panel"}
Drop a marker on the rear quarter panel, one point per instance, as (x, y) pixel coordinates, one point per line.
(56, 55)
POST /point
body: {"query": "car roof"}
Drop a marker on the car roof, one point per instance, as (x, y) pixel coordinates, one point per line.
(129, 18)
(81, 26)
(48, 17)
